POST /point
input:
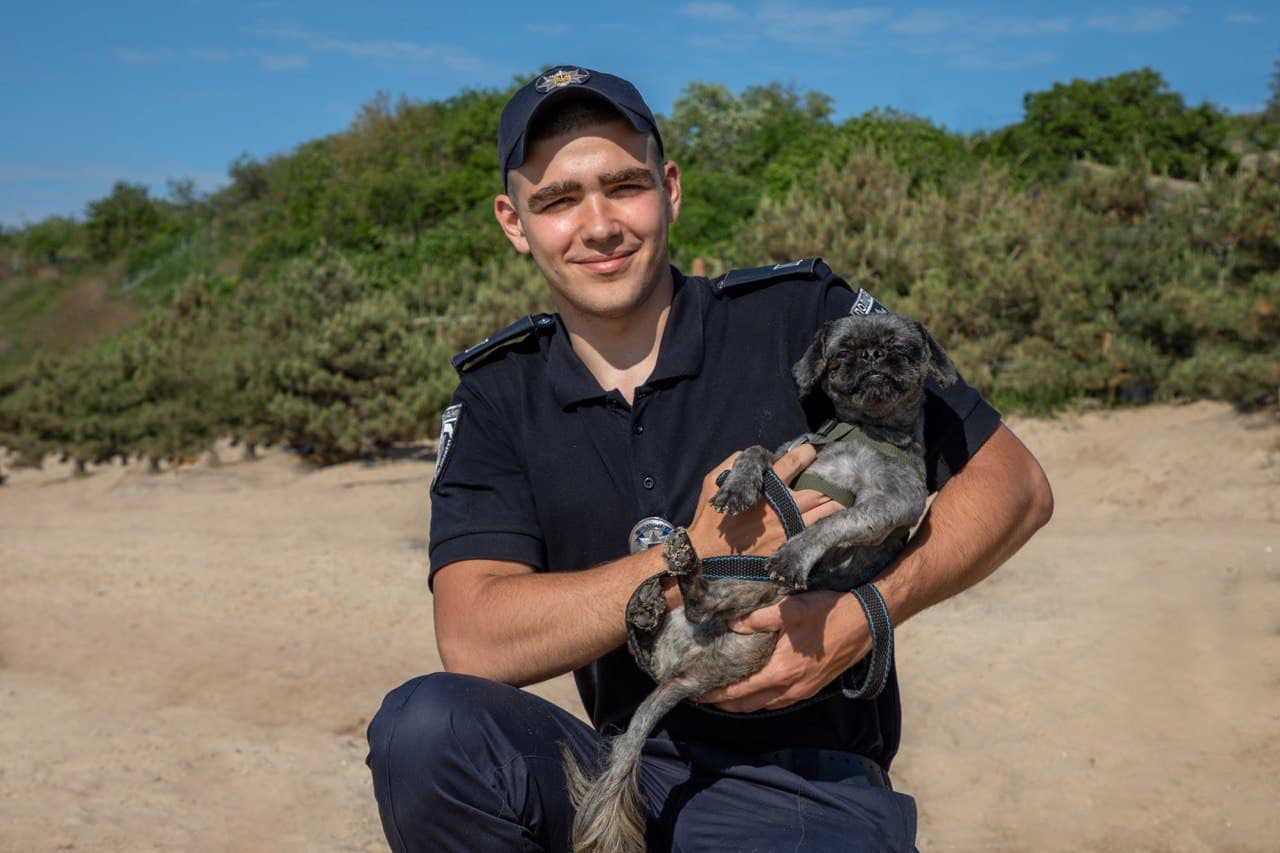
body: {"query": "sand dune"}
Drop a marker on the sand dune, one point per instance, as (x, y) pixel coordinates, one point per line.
(188, 660)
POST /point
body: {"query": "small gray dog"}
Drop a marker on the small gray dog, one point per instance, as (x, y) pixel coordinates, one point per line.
(873, 369)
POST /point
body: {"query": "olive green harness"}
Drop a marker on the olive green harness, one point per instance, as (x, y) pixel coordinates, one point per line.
(834, 432)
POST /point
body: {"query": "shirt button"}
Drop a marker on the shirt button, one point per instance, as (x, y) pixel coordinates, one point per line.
(638, 428)
(647, 482)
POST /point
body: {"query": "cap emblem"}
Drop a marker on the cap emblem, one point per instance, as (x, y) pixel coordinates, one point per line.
(560, 77)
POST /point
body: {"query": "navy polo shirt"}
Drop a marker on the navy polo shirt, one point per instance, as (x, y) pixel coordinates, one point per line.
(548, 469)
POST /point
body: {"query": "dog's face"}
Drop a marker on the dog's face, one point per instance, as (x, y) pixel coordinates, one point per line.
(872, 365)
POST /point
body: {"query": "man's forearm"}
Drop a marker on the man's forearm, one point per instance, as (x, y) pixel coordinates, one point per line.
(520, 627)
(977, 521)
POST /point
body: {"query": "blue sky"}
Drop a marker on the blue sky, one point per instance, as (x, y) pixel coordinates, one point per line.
(144, 91)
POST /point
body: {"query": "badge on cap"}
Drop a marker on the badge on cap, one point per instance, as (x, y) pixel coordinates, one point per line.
(560, 77)
(649, 532)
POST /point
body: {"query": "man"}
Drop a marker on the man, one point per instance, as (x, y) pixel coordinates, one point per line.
(567, 431)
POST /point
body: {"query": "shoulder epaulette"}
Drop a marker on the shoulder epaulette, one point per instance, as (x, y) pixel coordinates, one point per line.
(734, 279)
(517, 331)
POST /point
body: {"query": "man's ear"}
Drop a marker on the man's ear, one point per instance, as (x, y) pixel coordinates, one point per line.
(812, 364)
(671, 185)
(504, 210)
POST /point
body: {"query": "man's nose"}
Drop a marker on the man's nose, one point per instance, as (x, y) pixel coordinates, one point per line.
(600, 221)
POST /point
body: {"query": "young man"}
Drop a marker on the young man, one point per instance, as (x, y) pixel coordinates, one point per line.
(568, 435)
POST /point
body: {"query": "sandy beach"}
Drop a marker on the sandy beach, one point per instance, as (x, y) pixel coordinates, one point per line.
(188, 660)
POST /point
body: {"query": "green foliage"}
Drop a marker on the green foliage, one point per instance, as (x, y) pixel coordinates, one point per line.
(1273, 97)
(732, 147)
(127, 217)
(53, 240)
(367, 378)
(1105, 289)
(371, 255)
(1131, 119)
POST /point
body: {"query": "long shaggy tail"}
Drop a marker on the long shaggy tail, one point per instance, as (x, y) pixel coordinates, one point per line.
(610, 812)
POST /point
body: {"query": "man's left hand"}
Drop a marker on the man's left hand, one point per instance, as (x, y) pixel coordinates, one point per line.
(820, 634)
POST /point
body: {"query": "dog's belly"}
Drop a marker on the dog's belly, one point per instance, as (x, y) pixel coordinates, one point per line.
(685, 652)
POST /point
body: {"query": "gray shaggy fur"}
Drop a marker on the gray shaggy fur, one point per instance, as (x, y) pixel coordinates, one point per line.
(873, 370)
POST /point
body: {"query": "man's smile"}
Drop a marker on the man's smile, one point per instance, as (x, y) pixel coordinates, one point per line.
(605, 264)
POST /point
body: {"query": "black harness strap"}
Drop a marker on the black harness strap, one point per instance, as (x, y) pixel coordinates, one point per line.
(874, 668)
(740, 567)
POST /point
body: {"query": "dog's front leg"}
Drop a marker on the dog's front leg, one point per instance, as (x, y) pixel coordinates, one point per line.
(868, 522)
(740, 486)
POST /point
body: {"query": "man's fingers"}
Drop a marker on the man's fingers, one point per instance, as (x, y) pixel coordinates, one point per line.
(794, 461)
(818, 509)
(776, 697)
(764, 619)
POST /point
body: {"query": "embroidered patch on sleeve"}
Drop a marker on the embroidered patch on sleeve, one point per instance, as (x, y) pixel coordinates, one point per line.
(448, 435)
(866, 304)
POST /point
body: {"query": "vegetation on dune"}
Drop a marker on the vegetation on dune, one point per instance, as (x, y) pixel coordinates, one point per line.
(1116, 245)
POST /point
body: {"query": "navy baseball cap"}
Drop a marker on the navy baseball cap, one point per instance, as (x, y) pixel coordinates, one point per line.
(555, 84)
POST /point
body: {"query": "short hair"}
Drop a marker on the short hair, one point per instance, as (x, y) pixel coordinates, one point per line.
(570, 114)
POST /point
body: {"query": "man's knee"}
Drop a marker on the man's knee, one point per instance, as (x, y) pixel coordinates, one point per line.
(422, 716)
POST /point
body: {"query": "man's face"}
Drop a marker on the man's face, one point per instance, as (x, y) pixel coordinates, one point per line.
(593, 207)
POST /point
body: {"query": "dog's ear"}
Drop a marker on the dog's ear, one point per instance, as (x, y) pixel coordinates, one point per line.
(940, 366)
(809, 369)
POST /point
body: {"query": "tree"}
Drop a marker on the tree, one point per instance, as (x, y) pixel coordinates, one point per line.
(1129, 119)
(1273, 102)
(127, 217)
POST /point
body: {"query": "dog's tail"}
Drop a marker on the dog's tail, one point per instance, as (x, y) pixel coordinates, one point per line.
(610, 812)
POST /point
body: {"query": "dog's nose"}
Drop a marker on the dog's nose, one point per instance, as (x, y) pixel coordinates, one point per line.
(872, 354)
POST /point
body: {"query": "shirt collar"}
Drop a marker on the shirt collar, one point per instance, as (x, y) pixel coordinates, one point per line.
(679, 354)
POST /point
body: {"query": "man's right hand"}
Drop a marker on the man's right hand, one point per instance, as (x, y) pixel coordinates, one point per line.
(759, 530)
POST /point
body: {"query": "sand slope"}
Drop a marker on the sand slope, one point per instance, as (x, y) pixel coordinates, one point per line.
(188, 660)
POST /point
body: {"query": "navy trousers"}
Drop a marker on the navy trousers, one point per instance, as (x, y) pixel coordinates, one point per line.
(466, 764)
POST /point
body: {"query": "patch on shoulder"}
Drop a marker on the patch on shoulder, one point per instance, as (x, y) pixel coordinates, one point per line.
(448, 435)
(735, 279)
(866, 304)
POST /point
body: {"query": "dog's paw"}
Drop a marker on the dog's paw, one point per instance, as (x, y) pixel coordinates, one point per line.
(734, 498)
(647, 608)
(678, 552)
(788, 568)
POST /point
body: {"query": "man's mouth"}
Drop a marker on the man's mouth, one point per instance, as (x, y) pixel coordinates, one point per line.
(605, 264)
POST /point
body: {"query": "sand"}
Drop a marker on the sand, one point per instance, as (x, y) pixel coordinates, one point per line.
(188, 660)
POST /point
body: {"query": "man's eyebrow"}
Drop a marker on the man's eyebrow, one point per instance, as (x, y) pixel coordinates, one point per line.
(633, 175)
(550, 191)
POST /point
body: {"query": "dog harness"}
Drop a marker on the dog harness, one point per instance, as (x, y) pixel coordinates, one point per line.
(865, 679)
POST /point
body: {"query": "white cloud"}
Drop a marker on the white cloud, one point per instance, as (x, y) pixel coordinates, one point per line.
(719, 12)
(548, 29)
(1139, 20)
(1022, 26)
(987, 61)
(408, 51)
(291, 62)
(797, 24)
(142, 57)
(926, 22)
(1243, 18)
